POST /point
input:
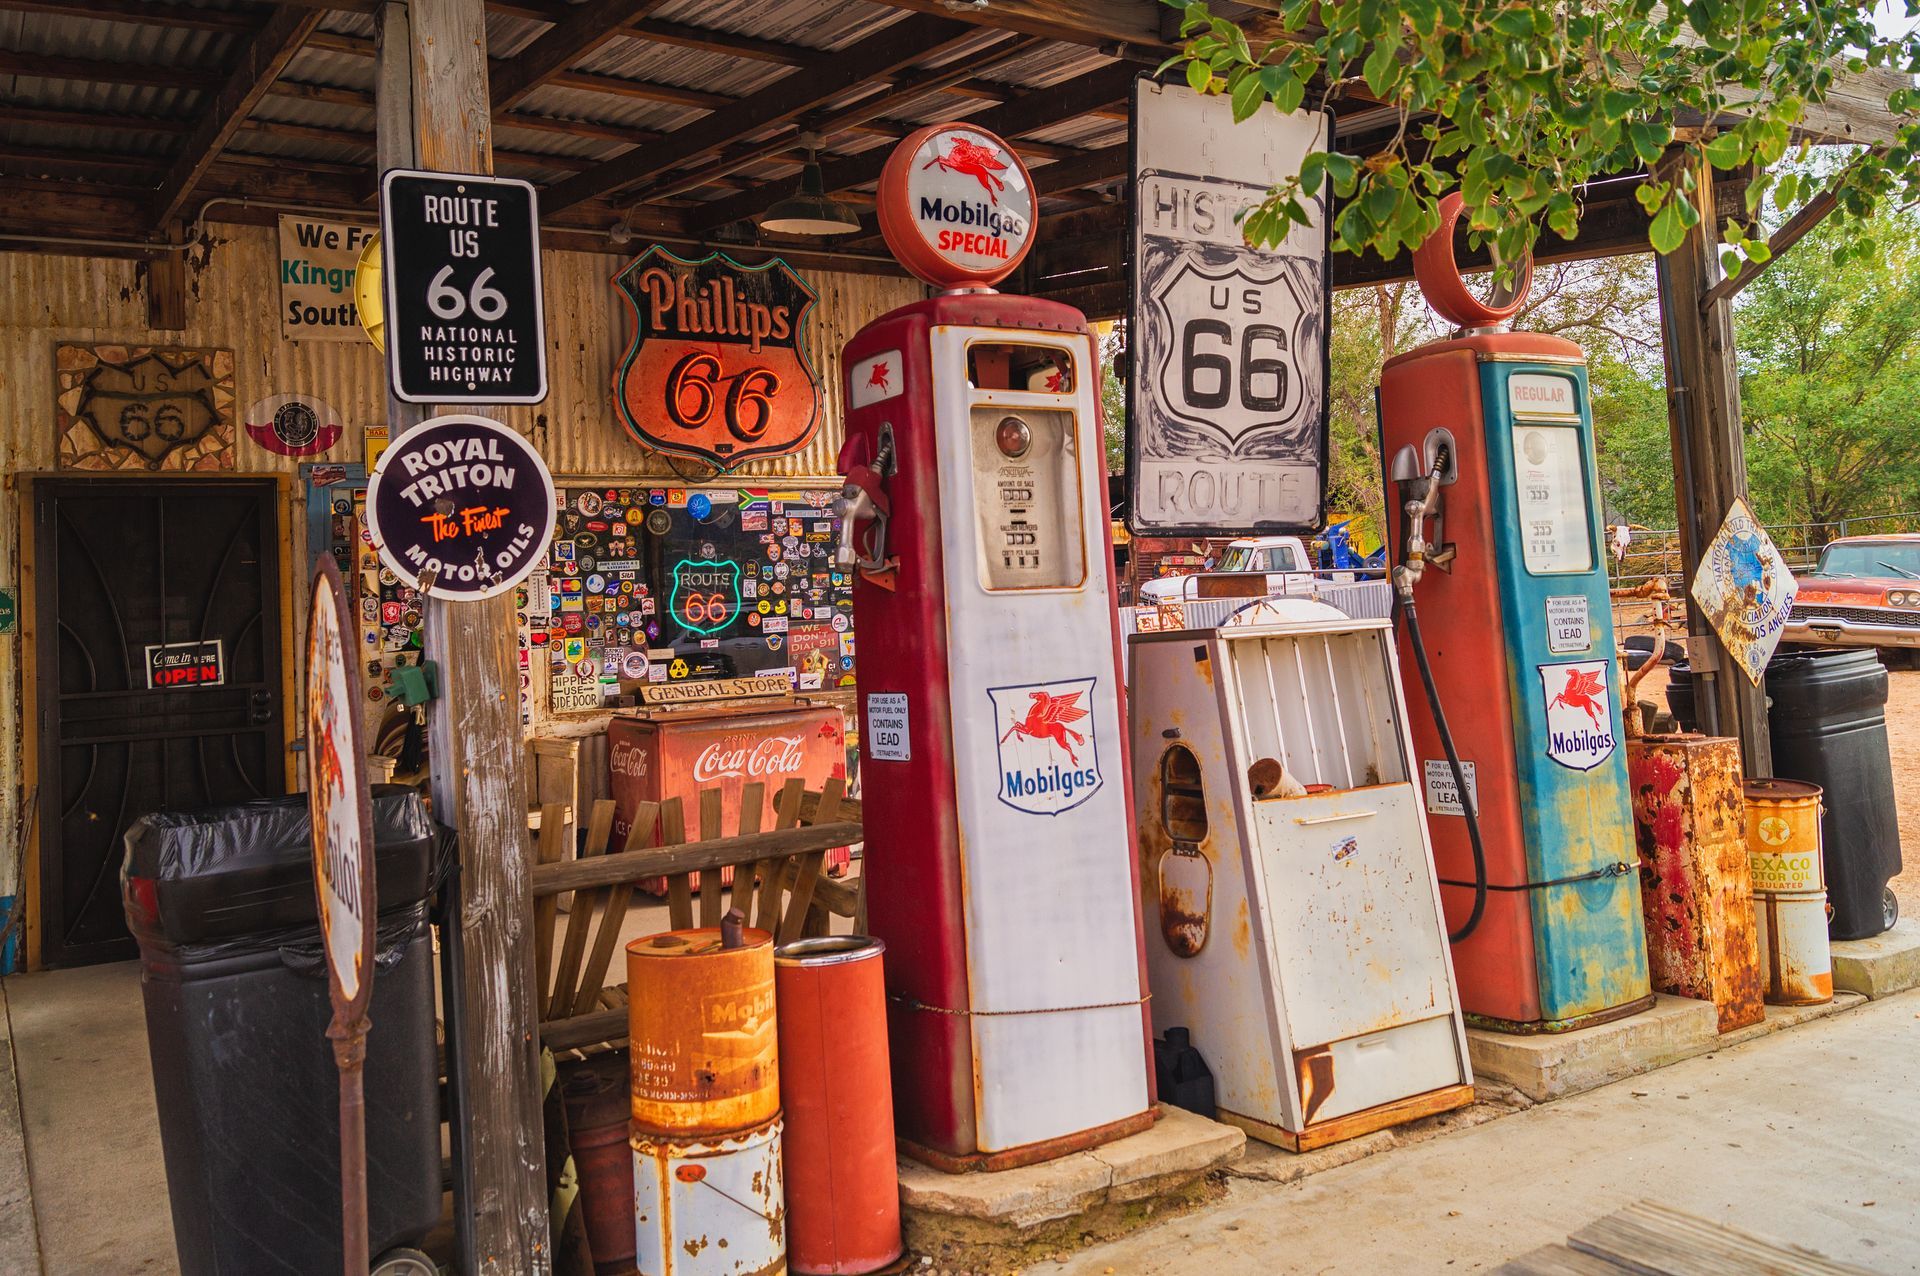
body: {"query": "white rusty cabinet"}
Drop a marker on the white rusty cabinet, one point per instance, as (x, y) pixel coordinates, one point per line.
(1293, 920)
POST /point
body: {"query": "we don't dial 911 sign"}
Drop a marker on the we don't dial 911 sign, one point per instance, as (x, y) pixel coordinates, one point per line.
(460, 257)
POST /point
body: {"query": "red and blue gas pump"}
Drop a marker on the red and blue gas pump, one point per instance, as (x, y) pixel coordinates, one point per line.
(999, 826)
(1494, 516)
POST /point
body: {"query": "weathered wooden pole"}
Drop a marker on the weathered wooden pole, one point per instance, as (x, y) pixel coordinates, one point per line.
(432, 109)
(1709, 461)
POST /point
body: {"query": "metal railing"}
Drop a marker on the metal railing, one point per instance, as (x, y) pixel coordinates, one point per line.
(1362, 600)
(1653, 554)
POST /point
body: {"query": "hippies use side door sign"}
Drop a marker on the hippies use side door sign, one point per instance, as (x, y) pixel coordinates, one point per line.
(1227, 415)
(718, 368)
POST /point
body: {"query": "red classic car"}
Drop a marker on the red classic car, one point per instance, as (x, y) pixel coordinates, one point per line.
(1864, 592)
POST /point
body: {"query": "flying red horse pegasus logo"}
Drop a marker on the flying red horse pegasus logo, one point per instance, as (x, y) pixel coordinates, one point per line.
(976, 161)
(877, 378)
(1047, 719)
(1584, 692)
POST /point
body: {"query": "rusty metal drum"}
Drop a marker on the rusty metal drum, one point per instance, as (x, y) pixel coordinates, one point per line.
(1792, 926)
(843, 1211)
(701, 1022)
(1783, 836)
(710, 1206)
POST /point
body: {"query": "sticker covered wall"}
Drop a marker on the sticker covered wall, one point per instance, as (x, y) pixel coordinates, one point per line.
(663, 594)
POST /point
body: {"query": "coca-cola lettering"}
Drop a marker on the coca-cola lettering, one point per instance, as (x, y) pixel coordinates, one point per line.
(738, 757)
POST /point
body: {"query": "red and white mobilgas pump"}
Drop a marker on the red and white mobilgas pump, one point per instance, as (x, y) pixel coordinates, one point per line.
(999, 828)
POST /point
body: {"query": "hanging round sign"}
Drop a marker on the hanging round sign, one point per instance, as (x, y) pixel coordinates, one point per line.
(461, 507)
(293, 425)
(956, 206)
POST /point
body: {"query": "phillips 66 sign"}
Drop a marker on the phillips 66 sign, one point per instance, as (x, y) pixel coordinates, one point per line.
(1227, 415)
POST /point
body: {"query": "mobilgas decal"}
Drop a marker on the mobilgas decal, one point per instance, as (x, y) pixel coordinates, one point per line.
(1049, 758)
(876, 377)
(1579, 706)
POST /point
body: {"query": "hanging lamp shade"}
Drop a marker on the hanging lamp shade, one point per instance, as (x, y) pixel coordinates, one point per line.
(809, 211)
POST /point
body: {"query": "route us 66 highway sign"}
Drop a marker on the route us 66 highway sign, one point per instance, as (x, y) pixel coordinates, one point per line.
(460, 257)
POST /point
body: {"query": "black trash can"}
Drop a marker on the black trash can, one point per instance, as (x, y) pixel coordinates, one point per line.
(234, 978)
(1827, 725)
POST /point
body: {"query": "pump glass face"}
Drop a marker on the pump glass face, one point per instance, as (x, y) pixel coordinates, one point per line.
(1550, 488)
(1027, 498)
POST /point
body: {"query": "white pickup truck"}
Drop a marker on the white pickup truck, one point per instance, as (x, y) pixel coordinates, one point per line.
(1283, 562)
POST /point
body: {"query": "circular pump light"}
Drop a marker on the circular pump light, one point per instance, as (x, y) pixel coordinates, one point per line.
(1013, 436)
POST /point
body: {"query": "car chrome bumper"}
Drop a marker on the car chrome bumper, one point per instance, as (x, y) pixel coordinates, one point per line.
(1839, 632)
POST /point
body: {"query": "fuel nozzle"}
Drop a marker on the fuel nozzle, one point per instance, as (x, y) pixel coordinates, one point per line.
(1419, 489)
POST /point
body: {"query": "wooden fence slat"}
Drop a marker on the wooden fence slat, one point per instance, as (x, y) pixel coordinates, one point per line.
(579, 917)
(786, 816)
(642, 835)
(547, 851)
(673, 831)
(605, 870)
(710, 880)
(793, 921)
(753, 801)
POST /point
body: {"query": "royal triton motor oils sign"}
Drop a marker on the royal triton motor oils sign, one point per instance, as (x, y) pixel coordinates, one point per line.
(717, 368)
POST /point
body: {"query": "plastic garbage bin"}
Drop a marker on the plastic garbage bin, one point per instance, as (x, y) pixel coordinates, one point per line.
(234, 980)
(1827, 724)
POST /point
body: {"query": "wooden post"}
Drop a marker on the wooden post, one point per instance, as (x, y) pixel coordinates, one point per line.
(1709, 462)
(432, 109)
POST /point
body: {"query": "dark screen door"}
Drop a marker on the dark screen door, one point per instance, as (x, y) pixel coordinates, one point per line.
(158, 625)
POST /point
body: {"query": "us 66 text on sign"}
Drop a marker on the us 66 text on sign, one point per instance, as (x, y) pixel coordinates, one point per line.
(461, 265)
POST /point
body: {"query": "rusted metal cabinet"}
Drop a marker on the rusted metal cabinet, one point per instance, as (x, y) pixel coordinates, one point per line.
(1689, 824)
(1294, 920)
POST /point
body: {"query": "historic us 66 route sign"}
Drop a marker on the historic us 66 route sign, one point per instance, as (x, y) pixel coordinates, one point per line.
(460, 255)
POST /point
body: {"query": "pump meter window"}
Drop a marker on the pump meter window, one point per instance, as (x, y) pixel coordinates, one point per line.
(1026, 466)
(1551, 489)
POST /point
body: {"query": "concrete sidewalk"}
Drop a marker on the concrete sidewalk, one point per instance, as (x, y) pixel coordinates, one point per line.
(1810, 1136)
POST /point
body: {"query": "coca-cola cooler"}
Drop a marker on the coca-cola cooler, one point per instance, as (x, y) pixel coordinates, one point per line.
(656, 754)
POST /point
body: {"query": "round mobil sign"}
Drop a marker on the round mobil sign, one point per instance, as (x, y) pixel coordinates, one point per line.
(461, 507)
(956, 206)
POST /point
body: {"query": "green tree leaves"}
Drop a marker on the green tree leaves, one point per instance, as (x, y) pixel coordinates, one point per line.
(1519, 103)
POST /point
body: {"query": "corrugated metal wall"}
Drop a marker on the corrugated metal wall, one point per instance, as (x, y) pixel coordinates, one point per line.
(45, 300)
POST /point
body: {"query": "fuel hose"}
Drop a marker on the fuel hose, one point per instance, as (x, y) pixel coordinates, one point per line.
(1459, 775)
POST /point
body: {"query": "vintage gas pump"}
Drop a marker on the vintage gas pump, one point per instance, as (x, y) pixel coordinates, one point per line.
(999, 829)
(1495, 522)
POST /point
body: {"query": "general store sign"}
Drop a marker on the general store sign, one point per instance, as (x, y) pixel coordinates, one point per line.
(1227, 419)
(718, 367)
(317, 264)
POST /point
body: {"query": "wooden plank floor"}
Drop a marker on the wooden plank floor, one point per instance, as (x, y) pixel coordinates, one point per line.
(1649, 1239)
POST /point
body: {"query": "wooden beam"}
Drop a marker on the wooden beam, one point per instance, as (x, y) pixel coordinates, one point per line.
(1093, 22)
(21, 114)
(1028, 113)
(901, 91)
(1811, 214)
(253, 72)
(711, 41)
(435, 114)
(45, 67)
(1709, 467)
(141, 12)
(901, 44)
(642, 90)
(580, 32)
(1087, 168)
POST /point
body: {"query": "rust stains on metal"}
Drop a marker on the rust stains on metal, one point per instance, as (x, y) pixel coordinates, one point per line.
(701, 1021)
(1315, 1069)
(1242, 930)
(1186, 899)
(1689, 830)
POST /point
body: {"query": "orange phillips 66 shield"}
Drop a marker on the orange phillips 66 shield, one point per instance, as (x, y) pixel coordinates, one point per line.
(717, 368)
